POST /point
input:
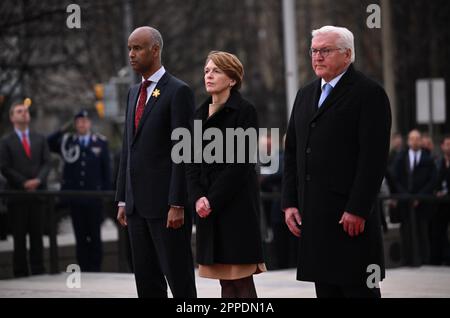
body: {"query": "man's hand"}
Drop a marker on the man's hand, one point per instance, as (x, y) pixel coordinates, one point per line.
(202, 207)
(293, 220)
(32, 184)
(353, 224)
(122, 216)
(175, 218)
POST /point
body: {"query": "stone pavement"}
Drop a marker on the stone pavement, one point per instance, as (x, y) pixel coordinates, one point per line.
(403, 282)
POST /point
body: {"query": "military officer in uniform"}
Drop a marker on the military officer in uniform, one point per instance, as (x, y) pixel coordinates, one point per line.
(86, 168)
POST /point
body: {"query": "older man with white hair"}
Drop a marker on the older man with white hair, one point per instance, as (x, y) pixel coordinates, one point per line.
(335, 158)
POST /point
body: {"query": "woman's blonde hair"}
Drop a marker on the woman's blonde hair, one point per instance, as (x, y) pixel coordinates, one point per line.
(229, 64)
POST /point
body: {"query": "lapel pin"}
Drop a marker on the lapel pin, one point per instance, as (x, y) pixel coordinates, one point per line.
(156, 93)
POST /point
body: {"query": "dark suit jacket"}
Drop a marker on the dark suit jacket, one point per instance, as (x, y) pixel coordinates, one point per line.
(17, 168)
(230, 234)
(422, 180)
(335, 160)
(148, 180)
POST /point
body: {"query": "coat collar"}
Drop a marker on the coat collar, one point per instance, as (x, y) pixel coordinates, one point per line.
(233, 102)
(341, 88)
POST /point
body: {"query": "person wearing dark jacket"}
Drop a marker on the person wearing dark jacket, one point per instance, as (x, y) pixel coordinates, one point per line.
(336, 154)
(414, 172)
(151, 187)
(440, 251)
(225, 191)
(25, 163)
(86, 168)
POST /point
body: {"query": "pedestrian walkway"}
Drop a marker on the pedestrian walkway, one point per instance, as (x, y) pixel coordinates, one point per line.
(425, 281)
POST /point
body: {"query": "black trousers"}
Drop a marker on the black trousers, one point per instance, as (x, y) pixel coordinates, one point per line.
(27, 217)
(160, 253)
(86, 221)
(422, 225)
(324, 290)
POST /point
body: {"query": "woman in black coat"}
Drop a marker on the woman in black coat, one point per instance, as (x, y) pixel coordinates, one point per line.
(223, 187)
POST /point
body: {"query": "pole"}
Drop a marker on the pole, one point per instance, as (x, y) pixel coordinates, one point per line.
(290, 53)
(388, 66)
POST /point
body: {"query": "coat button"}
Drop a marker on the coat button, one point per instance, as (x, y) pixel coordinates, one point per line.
(82, 183)
(308, 177)
(83, 163)
(313, 125)
(308, 150)
(82, 173)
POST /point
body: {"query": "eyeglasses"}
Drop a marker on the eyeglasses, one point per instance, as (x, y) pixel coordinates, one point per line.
(323, 52)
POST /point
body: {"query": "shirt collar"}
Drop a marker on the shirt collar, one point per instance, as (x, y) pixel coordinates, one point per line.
(412, 153)
(155, 77)
(334, 81)
(19, 133)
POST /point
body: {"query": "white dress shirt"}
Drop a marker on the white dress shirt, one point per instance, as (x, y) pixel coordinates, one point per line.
(417, 154)
(154, 79)
(334, 81)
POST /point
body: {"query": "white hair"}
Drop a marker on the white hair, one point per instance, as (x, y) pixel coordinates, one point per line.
(345, 37)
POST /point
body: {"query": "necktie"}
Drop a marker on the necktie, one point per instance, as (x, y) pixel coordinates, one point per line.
(326, 89)
(415, 161)
(26, 145)
(141, 103)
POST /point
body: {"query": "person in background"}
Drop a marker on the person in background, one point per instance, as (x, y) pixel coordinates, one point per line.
(3, 212)
(285, 243)
(25, 163)
(428, 145)
(397, 146)
(86, 168)
(440, 250)
(414, 172)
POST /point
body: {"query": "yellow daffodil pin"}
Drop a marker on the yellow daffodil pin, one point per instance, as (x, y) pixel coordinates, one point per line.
(156, 93)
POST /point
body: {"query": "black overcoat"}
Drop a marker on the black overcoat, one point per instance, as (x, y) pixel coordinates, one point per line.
(231, 233)
(335, 161)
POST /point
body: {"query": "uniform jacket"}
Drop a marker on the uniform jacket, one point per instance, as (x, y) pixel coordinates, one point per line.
(85, 167)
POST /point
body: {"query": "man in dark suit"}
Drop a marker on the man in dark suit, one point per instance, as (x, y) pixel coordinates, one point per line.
(414, 172)
(440, 249)
(151, 188)
(86, 168)
(335, 158)
(25, 163)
